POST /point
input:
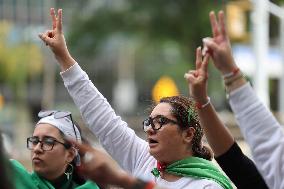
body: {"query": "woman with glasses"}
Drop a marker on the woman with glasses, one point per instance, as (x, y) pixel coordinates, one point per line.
(173, 156)
(54, 160)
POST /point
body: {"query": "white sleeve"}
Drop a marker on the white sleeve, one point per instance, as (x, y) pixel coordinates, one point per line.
(263, 133)
(116, 137)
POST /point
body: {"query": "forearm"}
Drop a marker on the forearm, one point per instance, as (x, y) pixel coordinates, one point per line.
(114, 134)
(218, 136)
(262, 132)
(65, 61)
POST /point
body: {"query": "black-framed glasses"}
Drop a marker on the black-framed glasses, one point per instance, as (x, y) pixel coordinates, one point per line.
(157, 122)
(58, 115)
(47, 143)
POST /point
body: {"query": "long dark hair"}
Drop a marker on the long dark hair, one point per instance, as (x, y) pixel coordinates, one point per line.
(183, 109)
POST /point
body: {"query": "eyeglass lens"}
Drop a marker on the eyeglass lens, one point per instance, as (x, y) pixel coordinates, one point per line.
(46, 143)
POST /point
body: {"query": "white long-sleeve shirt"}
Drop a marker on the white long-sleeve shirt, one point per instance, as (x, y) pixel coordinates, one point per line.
(120, 141)
(262, 132)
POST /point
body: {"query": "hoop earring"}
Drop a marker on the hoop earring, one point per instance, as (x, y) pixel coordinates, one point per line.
(69, 170)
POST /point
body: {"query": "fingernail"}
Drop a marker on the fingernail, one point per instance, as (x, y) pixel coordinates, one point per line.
(205, 40)
(186, 75)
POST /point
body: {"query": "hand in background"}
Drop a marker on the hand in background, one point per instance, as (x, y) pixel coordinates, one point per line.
(219, 46)
(197, 79)
(98, 166)
(55, 40)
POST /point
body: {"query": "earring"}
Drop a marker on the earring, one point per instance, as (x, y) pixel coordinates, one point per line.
(69, 170)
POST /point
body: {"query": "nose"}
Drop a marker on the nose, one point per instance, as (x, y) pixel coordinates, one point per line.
(38, 148)
(150, 130)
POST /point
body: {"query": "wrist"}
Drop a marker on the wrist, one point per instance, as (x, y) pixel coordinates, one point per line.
(228, 66)
(234, 82)
(233, 71)
(202, 104)
(65, 61)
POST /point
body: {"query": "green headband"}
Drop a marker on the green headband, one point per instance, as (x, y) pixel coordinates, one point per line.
(191, 115)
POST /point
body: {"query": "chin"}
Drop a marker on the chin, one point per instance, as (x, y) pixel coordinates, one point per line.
(155, 154)
(38, 169)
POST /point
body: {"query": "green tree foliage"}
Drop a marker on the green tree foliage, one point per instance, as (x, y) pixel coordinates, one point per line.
(18, 62)
(167, 33)
(182, 21)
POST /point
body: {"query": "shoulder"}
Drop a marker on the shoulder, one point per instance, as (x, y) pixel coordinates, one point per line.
(189, 183)
(16, 165)
(204, 184)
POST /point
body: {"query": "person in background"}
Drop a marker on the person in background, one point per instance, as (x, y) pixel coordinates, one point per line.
(54, 160)
(239, 168)
(5, 181)
(259, 127)
(172, 157)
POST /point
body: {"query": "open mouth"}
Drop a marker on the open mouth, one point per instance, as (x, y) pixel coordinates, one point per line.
(152, 141)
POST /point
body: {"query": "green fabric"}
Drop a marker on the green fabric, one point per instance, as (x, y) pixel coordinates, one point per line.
(23, 179)
(199, 168)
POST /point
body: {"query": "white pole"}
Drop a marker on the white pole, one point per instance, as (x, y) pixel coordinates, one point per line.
(281, 84)
(260, 36)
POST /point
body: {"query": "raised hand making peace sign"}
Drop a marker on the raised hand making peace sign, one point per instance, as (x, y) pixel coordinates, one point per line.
(197, 79)
(219, 46)
(55, 40)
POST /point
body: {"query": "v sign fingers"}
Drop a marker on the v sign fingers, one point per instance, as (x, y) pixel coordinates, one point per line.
(55, 40)
(214, 24)
(59, 21)
(198, 60)
(197, 79)
(222, 25)
(204, 65)
(53, 17)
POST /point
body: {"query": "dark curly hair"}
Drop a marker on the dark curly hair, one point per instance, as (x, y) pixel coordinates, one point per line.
(183, 109)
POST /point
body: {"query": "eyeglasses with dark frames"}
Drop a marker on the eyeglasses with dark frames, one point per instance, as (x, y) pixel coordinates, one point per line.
(58, 115)
(46, 144)
(157, 122)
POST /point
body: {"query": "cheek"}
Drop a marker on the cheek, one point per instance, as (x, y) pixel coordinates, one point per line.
(57, 157)
(170, 136)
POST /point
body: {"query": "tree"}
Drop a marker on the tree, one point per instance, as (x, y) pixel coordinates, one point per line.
(19, 61)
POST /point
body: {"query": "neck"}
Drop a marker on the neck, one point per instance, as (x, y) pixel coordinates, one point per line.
(169, 177)
(58, 182)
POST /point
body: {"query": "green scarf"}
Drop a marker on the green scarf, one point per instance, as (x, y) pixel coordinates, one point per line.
(23, 179)
(197, 168)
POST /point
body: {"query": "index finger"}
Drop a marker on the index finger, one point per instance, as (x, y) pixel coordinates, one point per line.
(205, 62)
(59, 21)
(221, 18)
(53, 17)
(214, 24)
(83, 148)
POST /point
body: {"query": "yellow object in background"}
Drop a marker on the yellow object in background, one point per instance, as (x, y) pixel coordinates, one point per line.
(1, 101)
(164, 87)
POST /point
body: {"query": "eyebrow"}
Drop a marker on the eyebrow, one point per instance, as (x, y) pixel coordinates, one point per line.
(45, 136)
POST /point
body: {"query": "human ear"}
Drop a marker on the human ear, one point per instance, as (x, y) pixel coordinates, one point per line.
(188, 135)
(72, 152)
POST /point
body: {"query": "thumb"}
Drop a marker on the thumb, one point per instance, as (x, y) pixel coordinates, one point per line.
(210, 44)
(45, 38)
(189, 77)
